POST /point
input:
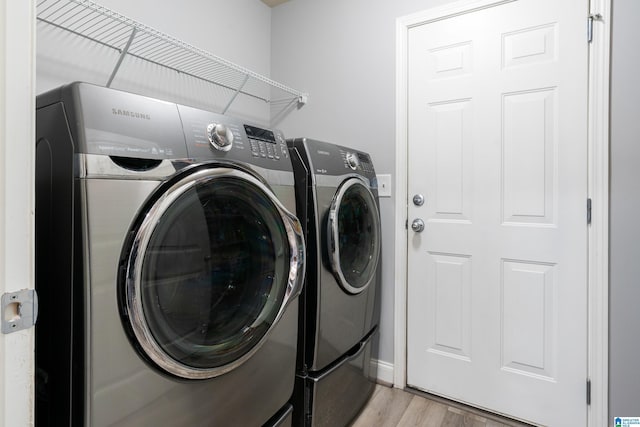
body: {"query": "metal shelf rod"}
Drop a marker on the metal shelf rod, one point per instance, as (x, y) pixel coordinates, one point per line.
(94, 22)
(121, 57)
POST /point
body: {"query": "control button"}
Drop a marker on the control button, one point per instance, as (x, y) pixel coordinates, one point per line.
(270, 151)
(262, 149)
(254, 147)
(220, 136)
(255, 152)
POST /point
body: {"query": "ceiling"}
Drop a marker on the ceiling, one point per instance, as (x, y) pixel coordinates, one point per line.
(273, 3)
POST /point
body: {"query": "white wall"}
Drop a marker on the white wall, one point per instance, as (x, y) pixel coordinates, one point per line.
(624, 272)
(17, 148)
(235, 30)
(343, 54)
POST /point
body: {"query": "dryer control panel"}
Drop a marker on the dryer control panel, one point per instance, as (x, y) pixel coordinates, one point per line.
(330, 159)
(357, 161)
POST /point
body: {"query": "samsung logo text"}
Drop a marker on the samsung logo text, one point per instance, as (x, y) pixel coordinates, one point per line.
(132, 114)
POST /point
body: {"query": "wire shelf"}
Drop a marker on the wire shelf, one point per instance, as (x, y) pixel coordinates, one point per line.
(94, 22)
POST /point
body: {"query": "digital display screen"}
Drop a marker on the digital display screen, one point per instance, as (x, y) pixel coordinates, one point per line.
(261, 134)
(364, 158)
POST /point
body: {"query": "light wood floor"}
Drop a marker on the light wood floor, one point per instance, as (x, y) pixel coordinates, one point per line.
(391, 407)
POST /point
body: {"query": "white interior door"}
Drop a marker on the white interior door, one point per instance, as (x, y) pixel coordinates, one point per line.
(497, 145)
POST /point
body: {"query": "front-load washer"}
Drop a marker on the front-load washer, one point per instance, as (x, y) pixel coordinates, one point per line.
(168, 265)
(338, 199)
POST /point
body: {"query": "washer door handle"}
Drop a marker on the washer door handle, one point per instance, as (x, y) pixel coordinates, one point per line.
(297, 262)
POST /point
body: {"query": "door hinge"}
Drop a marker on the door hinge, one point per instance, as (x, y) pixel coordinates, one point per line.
(588, 392)
(588, 211)
(19, 310)
(592, 17)
(406, 224)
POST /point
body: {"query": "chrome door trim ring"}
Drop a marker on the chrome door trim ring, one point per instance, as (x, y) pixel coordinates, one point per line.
(133, 302)
(334, 250)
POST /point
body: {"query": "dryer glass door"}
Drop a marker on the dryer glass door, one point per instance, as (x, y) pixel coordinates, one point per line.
(354, 235)
(214, 260)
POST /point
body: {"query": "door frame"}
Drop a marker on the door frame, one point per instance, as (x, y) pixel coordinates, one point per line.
(17, 160)
(598, 192)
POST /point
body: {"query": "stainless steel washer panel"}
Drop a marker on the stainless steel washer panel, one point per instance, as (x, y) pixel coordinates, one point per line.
(86, 204)
(122, 389)
(116, 123)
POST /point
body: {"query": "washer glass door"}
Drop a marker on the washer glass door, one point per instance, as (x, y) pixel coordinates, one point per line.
(213, 262)
(354, 235)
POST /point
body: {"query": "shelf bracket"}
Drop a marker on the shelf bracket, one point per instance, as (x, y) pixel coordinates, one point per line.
(122, 55)
(233, 98)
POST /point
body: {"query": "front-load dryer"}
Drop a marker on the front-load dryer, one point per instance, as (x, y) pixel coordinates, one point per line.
(168, 264)
(338, 197)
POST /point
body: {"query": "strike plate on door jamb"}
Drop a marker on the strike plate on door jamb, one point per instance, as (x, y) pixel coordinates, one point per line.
(19, 310)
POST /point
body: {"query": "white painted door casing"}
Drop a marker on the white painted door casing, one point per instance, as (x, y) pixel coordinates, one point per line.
(17, 148)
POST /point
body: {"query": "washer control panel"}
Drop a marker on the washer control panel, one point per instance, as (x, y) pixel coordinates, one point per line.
(215, 136)
(266, 143)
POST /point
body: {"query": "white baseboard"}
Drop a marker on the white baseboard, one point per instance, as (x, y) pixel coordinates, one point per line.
(384, 371)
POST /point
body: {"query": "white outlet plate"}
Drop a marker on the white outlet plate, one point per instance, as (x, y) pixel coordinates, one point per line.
(384, 185)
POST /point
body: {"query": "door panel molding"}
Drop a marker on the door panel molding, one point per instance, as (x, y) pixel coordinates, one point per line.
(598, 172)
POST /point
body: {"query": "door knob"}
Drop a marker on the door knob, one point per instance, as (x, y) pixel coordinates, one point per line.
(417, 225)
(418, 200)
